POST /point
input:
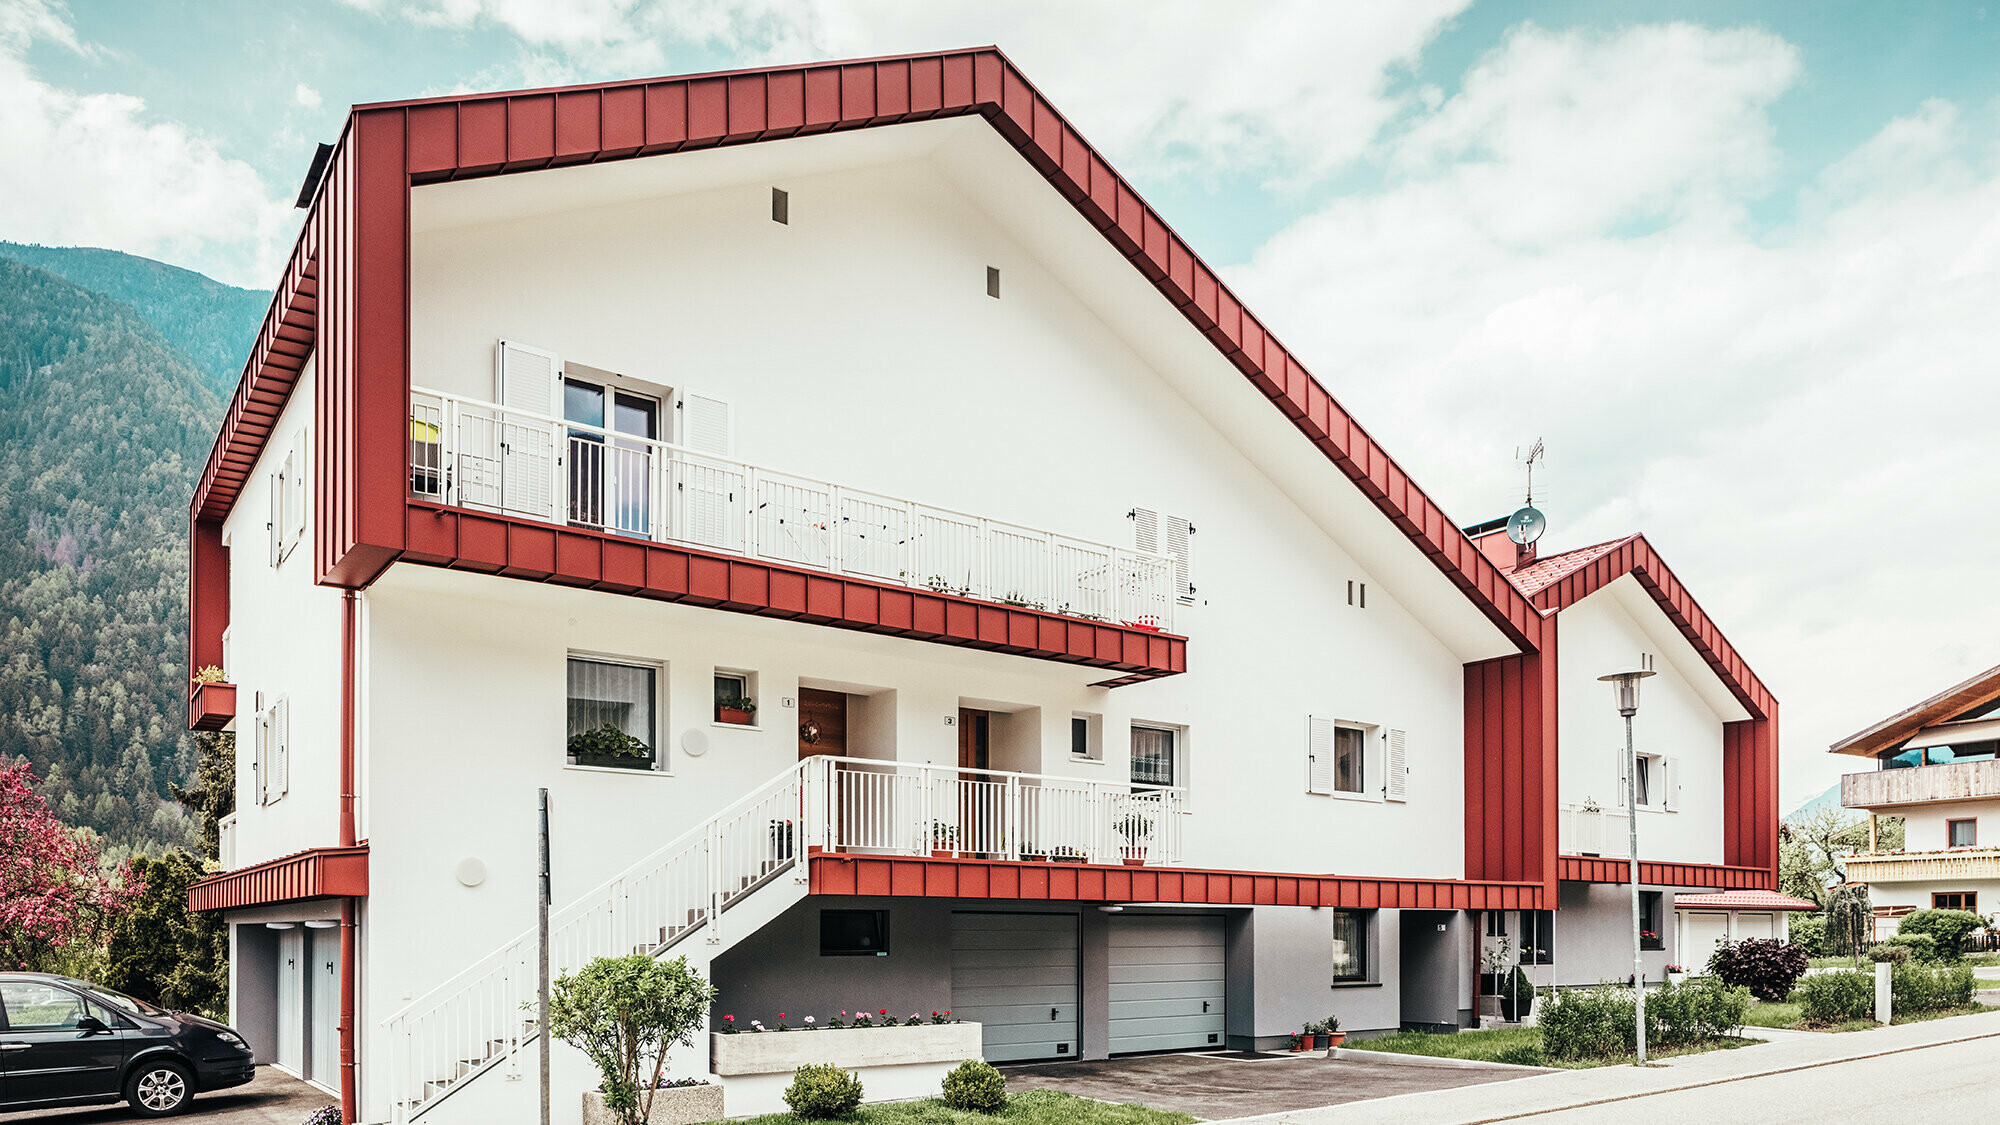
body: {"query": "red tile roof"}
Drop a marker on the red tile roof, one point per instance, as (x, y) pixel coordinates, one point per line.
(1743, 900)
(1551, 569)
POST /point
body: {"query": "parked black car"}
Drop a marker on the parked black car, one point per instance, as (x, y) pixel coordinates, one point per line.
(66, 1042)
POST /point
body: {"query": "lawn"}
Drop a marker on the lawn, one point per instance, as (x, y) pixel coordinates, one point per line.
(1520, 1045)
(1787, 1016)
(1032, 1107)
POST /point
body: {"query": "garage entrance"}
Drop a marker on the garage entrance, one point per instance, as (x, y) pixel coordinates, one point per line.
(1704, 932)
(1016, 975)
(1166, 982)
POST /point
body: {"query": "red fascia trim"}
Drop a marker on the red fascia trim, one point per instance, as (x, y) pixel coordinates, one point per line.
(314, 873)
(1595, 869)
(457, 137)
(897, 876)
(521, 548)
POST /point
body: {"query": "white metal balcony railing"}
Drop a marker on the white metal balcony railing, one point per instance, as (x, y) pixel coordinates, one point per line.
(477, 1019)
(225, 829)
(1588, 830)
(469, 453)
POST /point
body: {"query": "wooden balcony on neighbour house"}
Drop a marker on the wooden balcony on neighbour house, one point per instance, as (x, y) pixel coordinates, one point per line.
(1977, 780)
(1949, 865)
(479, 455)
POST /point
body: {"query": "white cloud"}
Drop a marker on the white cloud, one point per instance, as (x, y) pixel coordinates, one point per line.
(306, 97)
(1799, 418)
(99, 170)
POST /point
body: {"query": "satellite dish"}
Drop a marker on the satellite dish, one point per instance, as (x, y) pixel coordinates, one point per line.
(1526, 526)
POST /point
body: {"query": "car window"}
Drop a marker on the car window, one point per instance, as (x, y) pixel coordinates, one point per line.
(129, 1003)
(34, 1006)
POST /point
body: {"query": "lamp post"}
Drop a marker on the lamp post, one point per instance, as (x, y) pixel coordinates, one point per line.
(1626, 686)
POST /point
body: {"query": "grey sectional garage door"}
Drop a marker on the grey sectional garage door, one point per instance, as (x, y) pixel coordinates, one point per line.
(1166, 982)
(1016, 975)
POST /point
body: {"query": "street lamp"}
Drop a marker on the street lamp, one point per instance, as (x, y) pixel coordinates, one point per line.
(1626, 686)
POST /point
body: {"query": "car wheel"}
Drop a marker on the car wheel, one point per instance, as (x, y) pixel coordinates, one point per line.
(158, 1089)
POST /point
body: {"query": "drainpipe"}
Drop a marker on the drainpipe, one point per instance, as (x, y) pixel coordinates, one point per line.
(350, 1104)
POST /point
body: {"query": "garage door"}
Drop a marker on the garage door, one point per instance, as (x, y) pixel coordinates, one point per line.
(1166, 982)
(1704, 933)
(1016, 975)
(1754, 925)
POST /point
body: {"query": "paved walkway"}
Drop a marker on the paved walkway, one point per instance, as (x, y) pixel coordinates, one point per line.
(271, 1098)
(1625, 1093)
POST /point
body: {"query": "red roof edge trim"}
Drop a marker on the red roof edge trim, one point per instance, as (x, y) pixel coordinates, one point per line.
(313, 873)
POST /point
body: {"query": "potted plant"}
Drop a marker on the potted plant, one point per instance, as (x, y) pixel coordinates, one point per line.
(1518, 998)
(1495, 960)
(211, 700)
(738, 710)
(1676, 974)
(1299, 1042)
(1063, 853)
(1136, 828)
(626, 1014)
(944, 839)
(781, 840)
(1334, 1036)
(608, 746)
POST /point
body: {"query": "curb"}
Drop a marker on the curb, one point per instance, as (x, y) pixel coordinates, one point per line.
(1399, 1058)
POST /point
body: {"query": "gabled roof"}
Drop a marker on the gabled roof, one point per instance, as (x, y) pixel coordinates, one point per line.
(438, 139)
(1558, 581)
(1979, 692)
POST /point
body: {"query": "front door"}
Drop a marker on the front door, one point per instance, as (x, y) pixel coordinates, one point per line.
(979, 794)
(45, 1052)
(291, 1000)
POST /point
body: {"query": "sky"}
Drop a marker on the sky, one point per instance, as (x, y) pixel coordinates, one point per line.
(1736, 264)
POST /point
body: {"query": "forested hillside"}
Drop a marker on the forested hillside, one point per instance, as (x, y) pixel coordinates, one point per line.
(211, 324)
(105, 424)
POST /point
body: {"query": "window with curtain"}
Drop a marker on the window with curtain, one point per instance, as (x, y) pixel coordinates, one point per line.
(1350, 945)
(1152, 756)
(1350, 747)
(605, 693)
(1962, 833)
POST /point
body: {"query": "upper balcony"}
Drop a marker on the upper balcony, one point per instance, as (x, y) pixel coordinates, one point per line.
(1919, 785)
(1952, 864)
(1587, 830)
(1099, 603)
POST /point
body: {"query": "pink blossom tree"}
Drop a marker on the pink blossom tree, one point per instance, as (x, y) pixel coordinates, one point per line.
(53, 886)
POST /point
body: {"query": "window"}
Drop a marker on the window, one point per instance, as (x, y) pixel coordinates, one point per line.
(1496, 923)
(1086, 737)
(1655, 782)
(853, 933)
(1350, 748)
(34, 1006)
(735, 698)
(1153, 756)
(1538, 937)
(1649, 920)
(1955, 900)
(612, 720)
(1962, 833)
(1350, 946)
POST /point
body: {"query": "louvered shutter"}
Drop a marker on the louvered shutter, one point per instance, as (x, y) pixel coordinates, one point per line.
(708, 424)
(525, 447)
(276, 526)
(295, 500)
(281, 742)
(1180, 533)
(1398, 780)
(260, 761)
(1670, 783)
(1146, 530)
(1624, 779)
(1319, 754)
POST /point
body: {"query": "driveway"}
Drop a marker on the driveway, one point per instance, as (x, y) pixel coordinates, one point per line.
(271, 1098)
(1215, 1086)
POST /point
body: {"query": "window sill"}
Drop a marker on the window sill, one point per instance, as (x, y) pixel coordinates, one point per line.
(618, 770)
(735, 726)
(1356, 984)
(1084, 760)
(1365, 798)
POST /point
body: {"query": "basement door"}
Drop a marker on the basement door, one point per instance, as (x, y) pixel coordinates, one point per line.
(323, 1001)
(1166, 982)
(292, 1001)
(1016, 976)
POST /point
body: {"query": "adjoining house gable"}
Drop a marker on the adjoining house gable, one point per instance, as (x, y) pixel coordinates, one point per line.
(1963, 700)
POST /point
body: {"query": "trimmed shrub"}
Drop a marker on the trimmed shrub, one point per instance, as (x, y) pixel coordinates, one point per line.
(1679, 1015)
(1829, 998)
(1767, 967)
(1587, 1023)
(1925, 988)
(975, 1086)
(1894, 954)
(1808, 932)
(1922, 947)
(1945, 927)
(823, 1090)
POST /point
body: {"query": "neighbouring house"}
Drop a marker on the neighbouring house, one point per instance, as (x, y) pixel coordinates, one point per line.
(917, 581)
(1936, 765)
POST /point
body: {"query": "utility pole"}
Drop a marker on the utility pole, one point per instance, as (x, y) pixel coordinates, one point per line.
(1626, 686)
(542, 953)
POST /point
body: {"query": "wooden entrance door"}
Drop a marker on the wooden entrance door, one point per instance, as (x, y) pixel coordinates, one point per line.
(977, 793)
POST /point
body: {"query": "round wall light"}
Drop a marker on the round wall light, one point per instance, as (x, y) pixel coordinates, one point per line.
(694, 742)
(471, 871)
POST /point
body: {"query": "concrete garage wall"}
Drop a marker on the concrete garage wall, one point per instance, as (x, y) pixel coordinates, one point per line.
(1292, 982)
(779, 969)
(1593, 936)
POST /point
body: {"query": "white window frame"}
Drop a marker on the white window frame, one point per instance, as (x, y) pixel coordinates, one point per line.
(748, 690)
(1662, 782)
(1180, 755)
(661, 726)
(1093, 738)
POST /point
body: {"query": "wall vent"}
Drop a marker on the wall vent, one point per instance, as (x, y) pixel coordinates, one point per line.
(992, 281)
(781, 206)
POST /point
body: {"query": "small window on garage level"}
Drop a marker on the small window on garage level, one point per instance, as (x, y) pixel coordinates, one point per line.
(853, 933)
(1538, 937)
(1649, 921)
(1350, 946)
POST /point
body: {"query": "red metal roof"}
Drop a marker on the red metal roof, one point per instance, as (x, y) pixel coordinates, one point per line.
(1743, 900)
(313, 873)
(1551, 569)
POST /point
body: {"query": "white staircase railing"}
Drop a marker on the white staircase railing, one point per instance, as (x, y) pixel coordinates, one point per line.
(470, 453)
(480, 1018)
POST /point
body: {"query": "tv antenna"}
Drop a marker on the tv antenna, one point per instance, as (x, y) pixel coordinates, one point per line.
(1526, 525)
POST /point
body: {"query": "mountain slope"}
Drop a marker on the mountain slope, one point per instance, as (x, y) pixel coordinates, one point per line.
(209, 322)
(105, 425)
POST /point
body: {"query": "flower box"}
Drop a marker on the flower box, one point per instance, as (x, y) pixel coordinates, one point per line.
(733, 716)
(851, 1048)
(211, 706)
(674, 1105)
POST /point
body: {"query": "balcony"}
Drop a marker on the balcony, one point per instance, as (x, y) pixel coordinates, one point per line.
(479, 455)
(1590, 831)
(1918, 785)
(1952, 865)
(211, 706)
(225, 833)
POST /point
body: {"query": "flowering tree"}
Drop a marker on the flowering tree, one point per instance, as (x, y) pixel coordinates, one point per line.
(53, 889)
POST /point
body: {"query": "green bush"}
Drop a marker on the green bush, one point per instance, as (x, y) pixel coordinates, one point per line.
(625, 1014)
(1946, 927)
(1894, 954)
(1587, 1023)
(1926, 988)
(1922, 947)
(1829, 998)
(823, 1090)
(1767, 967)
(975, 1086)
(1808, 932)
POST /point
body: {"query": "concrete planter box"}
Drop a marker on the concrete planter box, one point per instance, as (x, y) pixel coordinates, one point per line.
(679, 1105)
(851, 1048)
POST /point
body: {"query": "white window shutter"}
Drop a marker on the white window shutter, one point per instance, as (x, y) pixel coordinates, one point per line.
(1319, 754)
(260, 763)
(1624, 778)
(1670, 783)
(1180, 533)
(1146, 530)
(1397, 788)
(528, 378)
(277, 525)
(708, 424)
(295, 502)
(281, 739)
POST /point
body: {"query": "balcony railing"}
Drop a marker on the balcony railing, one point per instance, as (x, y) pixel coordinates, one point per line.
(475, 454)
(1587, 830)
(1912, 867)
(1952, 781)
